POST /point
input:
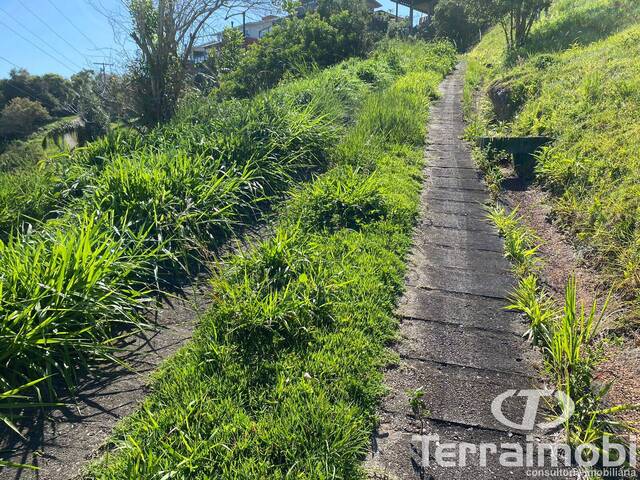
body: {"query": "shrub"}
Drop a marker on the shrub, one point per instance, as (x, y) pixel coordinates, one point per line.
(298, 45)
(451, 20)
(343, 199)
(20, 154)
(21, 117)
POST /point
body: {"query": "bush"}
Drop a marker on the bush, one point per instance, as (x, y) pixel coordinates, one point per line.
(22, 117)
(20, 154)
(343, 199)
(298, 45)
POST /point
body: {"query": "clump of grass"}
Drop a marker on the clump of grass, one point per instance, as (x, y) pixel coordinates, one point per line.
(489, 164)
(344, 199)
(64, 296)
(530, 299)
(521, 243)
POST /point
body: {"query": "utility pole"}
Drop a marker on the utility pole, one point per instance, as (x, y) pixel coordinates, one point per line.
(103, 70)
(397, 10)
(244, 24)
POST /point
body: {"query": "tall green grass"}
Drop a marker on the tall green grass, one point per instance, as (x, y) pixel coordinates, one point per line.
(134, 212)
(283, 375)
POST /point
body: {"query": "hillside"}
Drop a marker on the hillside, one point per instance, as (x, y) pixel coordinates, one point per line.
(313, 300)
(578, 82)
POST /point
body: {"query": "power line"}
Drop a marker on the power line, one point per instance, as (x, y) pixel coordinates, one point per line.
(39, 48)
(24, 4)
(43, 42)
(89, 39)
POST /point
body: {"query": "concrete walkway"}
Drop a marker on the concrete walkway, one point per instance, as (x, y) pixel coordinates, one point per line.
(457, 342)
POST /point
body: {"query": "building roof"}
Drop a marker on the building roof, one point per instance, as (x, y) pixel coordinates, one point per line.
(373, 4)
(424, 6)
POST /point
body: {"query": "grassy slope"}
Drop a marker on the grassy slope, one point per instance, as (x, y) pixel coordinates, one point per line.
(578, 81)
(133, 206)
(282, 378)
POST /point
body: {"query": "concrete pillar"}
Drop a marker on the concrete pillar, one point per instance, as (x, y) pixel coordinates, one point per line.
(411, 15)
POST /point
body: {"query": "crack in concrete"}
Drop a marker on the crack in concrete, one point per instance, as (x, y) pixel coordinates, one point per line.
(463, 366)
(460, 292)
(463, 326)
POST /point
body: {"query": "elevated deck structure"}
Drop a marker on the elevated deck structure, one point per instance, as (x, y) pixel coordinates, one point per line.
(422, 6)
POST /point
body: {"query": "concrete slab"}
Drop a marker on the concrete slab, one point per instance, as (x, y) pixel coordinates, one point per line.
(469, 347)
(456, 222)
(461, 310)
(457, 280)
(461, 239)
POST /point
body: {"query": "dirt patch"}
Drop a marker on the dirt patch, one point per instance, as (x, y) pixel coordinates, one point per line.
(622, 367)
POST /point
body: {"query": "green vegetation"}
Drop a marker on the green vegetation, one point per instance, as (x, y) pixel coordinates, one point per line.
(338, 30)
(131, 213)
(21, 116)
(567, 336)
(573, 79)
(576, 80)
(282, 377)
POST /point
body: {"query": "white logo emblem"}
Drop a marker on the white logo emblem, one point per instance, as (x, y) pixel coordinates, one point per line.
(531, 409)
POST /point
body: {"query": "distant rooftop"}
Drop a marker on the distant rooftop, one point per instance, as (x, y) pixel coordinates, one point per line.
(424, 6)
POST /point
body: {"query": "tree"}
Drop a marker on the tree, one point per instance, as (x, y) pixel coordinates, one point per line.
(89, 104)
(451, 19)
(515, 16)
(317, 39)
(165, 32)
(227, 57)
(51, 90)
(21, 116)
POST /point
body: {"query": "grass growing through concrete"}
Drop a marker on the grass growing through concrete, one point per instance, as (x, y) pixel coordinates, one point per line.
(283, 375)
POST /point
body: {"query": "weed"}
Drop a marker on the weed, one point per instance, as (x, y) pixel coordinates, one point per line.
(530, 299)
(418, 406)
(521, 244)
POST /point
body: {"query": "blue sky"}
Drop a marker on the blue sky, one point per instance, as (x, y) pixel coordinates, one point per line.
(64, 36)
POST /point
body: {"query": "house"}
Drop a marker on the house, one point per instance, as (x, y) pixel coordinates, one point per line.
(253, 32)
(422, 6)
